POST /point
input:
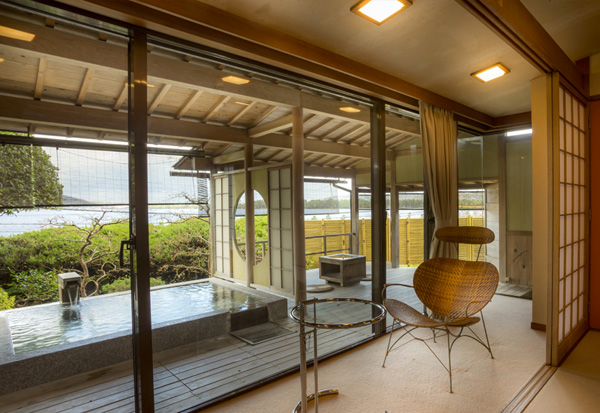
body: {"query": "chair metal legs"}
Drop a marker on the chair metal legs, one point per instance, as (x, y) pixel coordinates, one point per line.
(460, 334)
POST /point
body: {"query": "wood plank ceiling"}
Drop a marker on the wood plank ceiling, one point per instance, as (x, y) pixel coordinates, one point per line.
(72, 82)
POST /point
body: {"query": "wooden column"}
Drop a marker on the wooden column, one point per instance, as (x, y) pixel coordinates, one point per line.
(394, 230)
(212, 224)
(138, 227)
(249, 191)
(378, 217)
(502, 224)
(354, 214)
(298, 204)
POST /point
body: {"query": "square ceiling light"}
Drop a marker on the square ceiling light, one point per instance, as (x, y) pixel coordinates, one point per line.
(378, 11)
(235, 80)
(16, 34)
(491, 73)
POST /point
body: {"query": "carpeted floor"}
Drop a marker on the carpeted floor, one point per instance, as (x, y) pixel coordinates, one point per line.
(413, 380)
(575, 387)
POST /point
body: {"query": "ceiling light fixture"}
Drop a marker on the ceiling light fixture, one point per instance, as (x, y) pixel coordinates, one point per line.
(378, 11)
(1, 60)
(16, 34)
(349, 109)
(520, 132)
(491, 72)
(235, 80)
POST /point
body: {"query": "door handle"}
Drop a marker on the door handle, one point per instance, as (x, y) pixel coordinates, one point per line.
(125, 244)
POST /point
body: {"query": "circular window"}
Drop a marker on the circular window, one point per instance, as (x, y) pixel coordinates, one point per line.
(261, 226)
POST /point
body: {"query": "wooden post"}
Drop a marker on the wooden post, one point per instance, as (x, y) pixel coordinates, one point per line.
(394, 228)
(502, 224)
(298, 203)
(138, 228)
(378, 207)
(250, 247)
(212, 225)
(354, 213)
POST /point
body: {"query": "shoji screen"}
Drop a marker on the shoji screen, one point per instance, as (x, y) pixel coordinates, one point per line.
(572, 244)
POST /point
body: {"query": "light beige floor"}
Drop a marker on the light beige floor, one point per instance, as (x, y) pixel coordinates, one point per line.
(413, 380)
(575, 387)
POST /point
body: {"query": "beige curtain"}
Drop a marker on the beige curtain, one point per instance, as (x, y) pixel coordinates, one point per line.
(440, 161)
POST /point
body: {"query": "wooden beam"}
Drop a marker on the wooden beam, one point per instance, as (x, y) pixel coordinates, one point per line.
(264, 115)
(221, 150)
(513, 120)
(351, 132)
(327, 172)
(514, 24)
(120, 98)
(39, 82)
(203, 22)
(313, 145)
(229, 157)
(317, 126)
(87, 79)
(110, 57)
(216, 107)
(158, 98)
(241, 113)
(48, 113)
(271, 127)
(188, 104)
(274, 155)
(332, 130)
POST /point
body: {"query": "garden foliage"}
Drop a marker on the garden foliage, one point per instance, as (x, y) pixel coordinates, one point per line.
(179, 251)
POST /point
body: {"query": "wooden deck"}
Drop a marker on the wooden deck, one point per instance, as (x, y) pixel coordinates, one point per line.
(199, 372)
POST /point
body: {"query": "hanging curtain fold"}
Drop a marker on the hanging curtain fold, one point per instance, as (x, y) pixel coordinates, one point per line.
(440, 161)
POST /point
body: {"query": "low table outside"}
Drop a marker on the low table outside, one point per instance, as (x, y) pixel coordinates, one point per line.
(328, 313)
(345, 269)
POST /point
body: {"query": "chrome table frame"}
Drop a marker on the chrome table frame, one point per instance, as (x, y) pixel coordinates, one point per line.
(298, 315)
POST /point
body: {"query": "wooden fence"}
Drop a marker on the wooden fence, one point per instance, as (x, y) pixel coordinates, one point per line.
(410, 239)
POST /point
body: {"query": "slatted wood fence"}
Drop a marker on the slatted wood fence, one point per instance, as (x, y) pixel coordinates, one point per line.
(410, 239)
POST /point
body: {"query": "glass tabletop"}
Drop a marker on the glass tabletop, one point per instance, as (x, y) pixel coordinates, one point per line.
(337, 313)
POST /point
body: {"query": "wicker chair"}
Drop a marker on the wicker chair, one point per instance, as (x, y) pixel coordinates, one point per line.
(455, 291)
(466, 235)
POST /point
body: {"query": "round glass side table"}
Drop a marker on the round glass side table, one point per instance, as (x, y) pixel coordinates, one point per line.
(328, 313)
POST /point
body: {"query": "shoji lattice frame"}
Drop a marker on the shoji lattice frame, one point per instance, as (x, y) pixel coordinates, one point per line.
(222, 239)
(571, 218)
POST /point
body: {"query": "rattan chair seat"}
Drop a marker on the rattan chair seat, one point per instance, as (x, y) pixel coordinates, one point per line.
(465, 235)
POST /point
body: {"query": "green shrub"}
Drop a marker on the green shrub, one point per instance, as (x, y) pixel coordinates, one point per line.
(178, 252)
(6, 302)
(125, 285)
(34, 286)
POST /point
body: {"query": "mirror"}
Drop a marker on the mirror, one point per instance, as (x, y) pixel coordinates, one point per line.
(261, 226)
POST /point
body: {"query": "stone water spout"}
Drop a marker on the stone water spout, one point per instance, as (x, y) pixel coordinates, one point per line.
(69, 285)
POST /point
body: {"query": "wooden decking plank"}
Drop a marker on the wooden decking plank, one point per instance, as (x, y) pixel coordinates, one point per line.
(199, 363)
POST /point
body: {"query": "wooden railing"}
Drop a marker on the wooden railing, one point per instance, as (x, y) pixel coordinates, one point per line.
(326, 251)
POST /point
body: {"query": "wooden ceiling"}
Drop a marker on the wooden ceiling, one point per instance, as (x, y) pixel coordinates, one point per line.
(73, 82)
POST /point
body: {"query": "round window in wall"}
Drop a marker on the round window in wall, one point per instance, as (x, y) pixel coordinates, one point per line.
(261, 226)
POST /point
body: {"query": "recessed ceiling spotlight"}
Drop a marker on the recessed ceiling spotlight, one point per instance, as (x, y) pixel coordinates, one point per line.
(235, 80)
(491, 73)
(16, 34)
(349, 109)
(378, 11)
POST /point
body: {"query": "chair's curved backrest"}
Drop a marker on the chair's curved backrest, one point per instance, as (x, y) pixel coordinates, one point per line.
(447, 286)
(465, 235)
